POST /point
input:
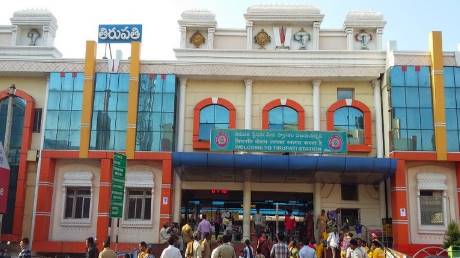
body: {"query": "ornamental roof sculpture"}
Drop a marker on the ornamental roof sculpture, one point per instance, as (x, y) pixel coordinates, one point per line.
(198, 18)
(364, 19)
(295, 13)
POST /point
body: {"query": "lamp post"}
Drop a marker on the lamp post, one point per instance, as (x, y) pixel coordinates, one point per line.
(9, 120)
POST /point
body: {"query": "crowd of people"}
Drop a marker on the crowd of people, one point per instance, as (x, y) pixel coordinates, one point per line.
(194, 241)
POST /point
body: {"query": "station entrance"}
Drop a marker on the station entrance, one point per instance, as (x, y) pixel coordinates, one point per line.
(222, 204)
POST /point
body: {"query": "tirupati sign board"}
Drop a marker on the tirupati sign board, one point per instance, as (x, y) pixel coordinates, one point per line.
(118, 185)
(278, 141)
(119, 33)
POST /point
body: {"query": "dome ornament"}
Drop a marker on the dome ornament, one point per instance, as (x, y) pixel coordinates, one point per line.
(197, 39)
(262, 38)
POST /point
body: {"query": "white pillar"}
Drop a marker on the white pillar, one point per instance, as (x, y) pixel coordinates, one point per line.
(378, 118)
(316, 205)
(177, 197)
(183, 37)
(211, 37)
(316, 106)
(379, 38)
(249, 34)
(247, 209)
(248, 104)
(181, 125)
(349, 32)
(316, 27)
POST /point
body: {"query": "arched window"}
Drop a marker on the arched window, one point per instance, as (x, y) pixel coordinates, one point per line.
(283, 114)
(354, 118)
(282, 118)
(351, 121)
(213, 116)
(20, 141)
(211, 113)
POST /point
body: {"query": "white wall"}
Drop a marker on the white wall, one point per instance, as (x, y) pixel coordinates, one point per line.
(58, 230)
(417, 234)
(131, 233)
(368, 202)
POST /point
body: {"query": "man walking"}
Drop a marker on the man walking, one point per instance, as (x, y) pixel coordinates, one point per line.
(258, 222)
(306, 251)
(107, 252)
(25, 251)
(226, 250)
(333, 242)
(91, 249)
(171, 251)
(280, 249)
(204, 227)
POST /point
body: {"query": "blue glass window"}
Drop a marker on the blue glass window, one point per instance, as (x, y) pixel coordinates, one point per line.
(110, 110)
(345, 94)
(452, 104)
(63, 115)
(351, 121)
(282, 118)
(213, 116)
(13, 155)
(155, 115)
(412, 114)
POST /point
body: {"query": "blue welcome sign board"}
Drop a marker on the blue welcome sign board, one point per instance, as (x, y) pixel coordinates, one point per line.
(278, 141)
(119, 33)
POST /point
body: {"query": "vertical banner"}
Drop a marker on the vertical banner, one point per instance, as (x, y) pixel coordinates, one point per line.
(4, 180)
(118, 185)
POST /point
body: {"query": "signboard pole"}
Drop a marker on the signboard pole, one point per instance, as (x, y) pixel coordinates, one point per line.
(118, 192)
(116, 237)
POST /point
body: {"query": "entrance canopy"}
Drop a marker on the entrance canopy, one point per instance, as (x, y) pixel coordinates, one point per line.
(201, 166)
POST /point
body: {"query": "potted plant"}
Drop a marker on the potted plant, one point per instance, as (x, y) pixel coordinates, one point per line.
(452, 240)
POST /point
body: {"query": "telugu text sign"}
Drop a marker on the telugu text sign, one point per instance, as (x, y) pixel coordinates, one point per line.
(278, 141)
(119, 33)
(118, 185)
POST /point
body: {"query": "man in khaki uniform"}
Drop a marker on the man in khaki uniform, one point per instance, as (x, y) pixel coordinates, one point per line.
(206, 245)
(226, 250)
(187, 233)
(107, 252)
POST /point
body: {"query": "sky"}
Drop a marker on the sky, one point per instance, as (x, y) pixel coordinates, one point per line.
(408, 21)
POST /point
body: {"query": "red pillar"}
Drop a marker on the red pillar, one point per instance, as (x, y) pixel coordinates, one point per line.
(105, 186)
(457, 166)
(22, 172)
(166, 192)
(400, 208)
(44, 202)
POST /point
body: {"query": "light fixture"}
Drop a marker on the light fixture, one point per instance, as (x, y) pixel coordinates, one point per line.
(12, 89)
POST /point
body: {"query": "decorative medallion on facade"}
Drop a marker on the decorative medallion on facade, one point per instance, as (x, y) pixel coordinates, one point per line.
(197, 39)
(302, 37)
(262, 38)
(282, 37)
(364, 38)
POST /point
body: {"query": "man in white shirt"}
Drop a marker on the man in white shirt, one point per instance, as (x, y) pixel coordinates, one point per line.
(215, 252)
(333, 242)
(354, 251)
(171, 251)
(307, 252)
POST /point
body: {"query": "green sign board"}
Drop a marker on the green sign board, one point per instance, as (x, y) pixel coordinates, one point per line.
(278, 141)
(118, 185)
